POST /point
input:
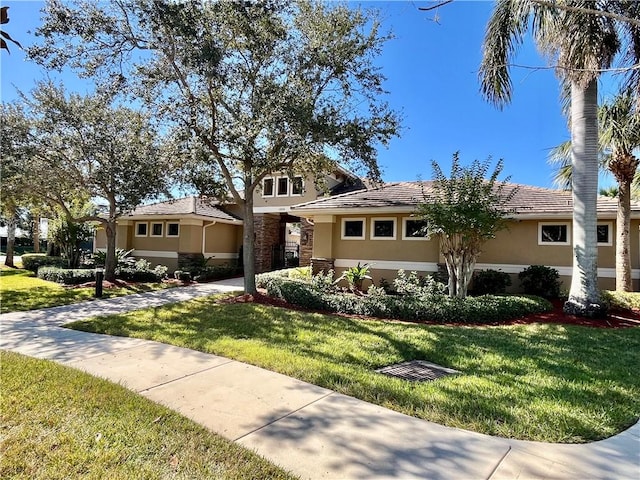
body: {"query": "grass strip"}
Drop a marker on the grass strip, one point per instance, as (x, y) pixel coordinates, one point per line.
(59, 423)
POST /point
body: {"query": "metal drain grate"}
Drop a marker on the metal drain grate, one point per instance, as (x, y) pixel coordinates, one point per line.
(417, 371)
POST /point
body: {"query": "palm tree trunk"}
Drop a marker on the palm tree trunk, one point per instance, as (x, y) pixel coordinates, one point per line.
(623, 167)
(584, 296)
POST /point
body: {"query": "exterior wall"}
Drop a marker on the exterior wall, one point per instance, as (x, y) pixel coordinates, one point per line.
(222, 242)
(261, 201)
(511, 251)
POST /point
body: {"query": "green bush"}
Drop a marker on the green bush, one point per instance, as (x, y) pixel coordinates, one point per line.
(540, 280)
(182, 275)
(33, 261)
(417, 286)
(133, 274)
(216, 272)
(621, 300)
(300, 273)
(437, 308)
(66, 276)
(490, 282)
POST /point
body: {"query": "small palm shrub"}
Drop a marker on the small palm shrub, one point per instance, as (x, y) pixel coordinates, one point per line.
(123, 258)
(355, 276)
(540, 280)
(490, 282)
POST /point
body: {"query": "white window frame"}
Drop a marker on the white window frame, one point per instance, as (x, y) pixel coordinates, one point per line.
(566, 224)
(277, 187)
(167, 229)
(343, 228)
(273, 187)
(146, 229)
(151, 234)
(291, 183)
(384, 219)
(609, 241)
(404, 230)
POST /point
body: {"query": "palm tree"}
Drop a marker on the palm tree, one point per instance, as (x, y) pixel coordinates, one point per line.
(580, 45)
(619, 125)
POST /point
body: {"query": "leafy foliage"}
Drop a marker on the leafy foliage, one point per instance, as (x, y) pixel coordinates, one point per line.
(68, 235)
(123, 257)
(463, 211)
(4, 18)
(416, 286)
(33, 261)
(355, 276)
(490, 282)
(67, 276)
(540, 280)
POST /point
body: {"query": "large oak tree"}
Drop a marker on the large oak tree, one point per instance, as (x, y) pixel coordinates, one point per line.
(246, 88)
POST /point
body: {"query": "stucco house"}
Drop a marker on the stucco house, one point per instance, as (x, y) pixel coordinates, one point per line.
(376, 226)
(342, 222)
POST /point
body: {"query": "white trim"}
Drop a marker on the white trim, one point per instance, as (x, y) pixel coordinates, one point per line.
(136, 229)
(383, 219)
(273, 187)
(609, 241)
(221, 255)
(154, 253)
(277, 187)
(350, 219)
(167, 229)
(151, 224)
(404, 230)
(388, 265)
(567, 224)
(274, 209)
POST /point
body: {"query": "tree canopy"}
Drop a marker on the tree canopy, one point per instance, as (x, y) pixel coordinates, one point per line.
(464, 210)
(244, 88)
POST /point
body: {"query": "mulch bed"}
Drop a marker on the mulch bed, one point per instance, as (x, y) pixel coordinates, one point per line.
(615, 319)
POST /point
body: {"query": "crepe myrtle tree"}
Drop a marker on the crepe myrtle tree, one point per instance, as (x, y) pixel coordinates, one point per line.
(86, 148)
(247, 88)
(465, 210)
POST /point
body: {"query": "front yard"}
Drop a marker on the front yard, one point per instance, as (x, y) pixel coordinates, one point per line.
(59, 423)
(546, 382)
(20, 290)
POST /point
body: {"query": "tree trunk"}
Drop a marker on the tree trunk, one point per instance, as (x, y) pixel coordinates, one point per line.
(624, 168)
(110, 260)
(36, 234)
(12, 223)
(248, 245)
(584, 296)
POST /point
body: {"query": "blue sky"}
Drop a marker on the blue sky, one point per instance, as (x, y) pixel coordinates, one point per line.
(432, 79)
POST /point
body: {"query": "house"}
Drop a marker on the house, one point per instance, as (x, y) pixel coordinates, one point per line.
(376, 226)
(175, 232)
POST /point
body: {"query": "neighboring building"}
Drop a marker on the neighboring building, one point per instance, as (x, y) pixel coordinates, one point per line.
(376, 226)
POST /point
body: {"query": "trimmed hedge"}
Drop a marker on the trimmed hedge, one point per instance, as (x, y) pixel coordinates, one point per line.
(33, 261)
(436, 308)
(133, 274)
(300, 273)
(66, 276)
(216, 272)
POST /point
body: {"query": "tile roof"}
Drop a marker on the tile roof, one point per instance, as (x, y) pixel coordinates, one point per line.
(528, 200)
(185, 206)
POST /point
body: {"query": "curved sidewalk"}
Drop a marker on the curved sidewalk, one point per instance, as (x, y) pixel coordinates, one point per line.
(309, 430)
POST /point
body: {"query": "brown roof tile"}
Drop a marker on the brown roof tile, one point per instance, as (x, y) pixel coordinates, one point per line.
(185, 206)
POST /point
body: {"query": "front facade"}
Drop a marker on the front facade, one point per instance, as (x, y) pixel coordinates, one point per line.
(376, 227)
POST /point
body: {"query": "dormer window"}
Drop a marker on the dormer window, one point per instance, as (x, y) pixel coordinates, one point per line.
(267, 187)
(283, 186)
(297, 186)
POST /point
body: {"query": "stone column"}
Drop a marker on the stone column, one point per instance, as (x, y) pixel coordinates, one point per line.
(267, 230)
(321, 265)
(306, 242)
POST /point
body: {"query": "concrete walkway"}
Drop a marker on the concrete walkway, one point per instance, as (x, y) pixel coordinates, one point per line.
(311, 431)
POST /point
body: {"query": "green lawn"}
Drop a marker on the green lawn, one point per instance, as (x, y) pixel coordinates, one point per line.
(59, 423)
(21, 290)
(545, 382)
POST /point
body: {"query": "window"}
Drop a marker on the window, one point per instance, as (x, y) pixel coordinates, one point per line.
(267, 187)
(156, 229)
(283, 186)
(353, 229)
(554, 234)
(383, 228)
(297, 186)
(604, 234)
(141, 229)
(414, 229)
(173, 229)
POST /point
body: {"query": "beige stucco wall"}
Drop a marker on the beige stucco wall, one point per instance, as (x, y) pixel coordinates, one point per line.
(309, 193)
(222, 238)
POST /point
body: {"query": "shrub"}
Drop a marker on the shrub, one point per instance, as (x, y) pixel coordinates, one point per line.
(215, 272)
(262, 279)
(135, 275)
(490, 282)
(66, 276)
(355, 276)
(417, 286)
(123, 258)
(621, 300)
(32, 261)
(437, 308)
(182, 275)
(540, 280)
